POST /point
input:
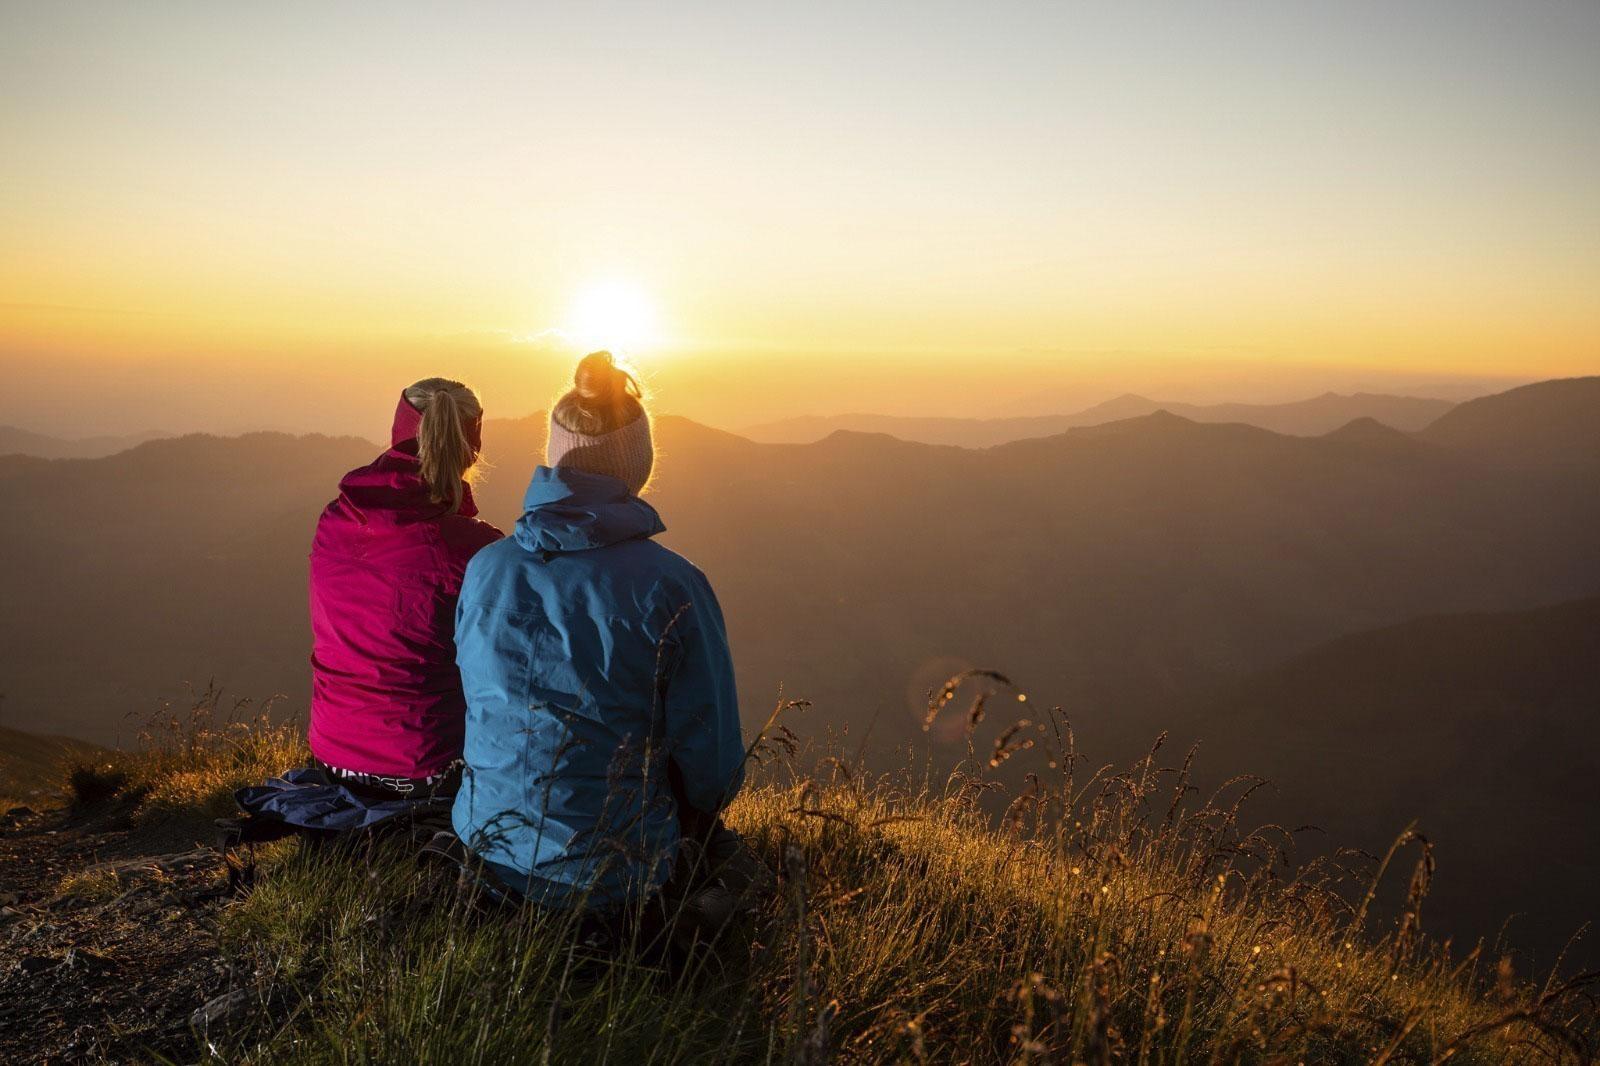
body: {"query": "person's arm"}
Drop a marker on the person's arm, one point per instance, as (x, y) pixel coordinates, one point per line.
(701, 708)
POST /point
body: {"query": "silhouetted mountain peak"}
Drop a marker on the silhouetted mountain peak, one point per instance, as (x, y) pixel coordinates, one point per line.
(1158, 423)
(1124, 406)
(687, 429)
(863, 441)
(1369, 432)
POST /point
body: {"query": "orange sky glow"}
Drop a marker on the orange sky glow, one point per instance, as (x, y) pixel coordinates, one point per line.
(227, 218)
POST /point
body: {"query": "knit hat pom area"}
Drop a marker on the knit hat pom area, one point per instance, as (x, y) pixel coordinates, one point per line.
(626, 453)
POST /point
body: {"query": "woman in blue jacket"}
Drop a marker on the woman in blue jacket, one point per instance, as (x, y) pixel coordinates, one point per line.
(601, 713)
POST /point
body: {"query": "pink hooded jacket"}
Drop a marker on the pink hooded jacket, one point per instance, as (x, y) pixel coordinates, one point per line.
(386, 568)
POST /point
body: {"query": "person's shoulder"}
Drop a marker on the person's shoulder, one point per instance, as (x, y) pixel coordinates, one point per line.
(470, 533)
(499, 552)
(480, 527)
(355, 473)
(652, 553)
(679, 573)
(332, 513)
(334, 524)
(494, 557)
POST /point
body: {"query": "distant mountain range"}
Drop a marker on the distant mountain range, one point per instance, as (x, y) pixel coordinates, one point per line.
(1122, 570)
(1312, 417)
(15, 441)
(1307, 418)
(1116, 567)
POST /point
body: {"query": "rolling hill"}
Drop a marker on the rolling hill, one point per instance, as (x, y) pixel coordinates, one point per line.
(16, 441)
(129, 576)
(1550, 425)
(1481, 727)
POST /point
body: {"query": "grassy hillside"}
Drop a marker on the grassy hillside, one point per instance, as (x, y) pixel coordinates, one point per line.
(1479, 725)
(29, 762)
(1107, 917)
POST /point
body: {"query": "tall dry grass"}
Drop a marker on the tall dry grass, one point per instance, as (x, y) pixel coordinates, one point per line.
(1092, 916)
(189, 761)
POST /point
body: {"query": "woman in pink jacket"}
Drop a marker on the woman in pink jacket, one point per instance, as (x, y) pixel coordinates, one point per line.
(386, 705)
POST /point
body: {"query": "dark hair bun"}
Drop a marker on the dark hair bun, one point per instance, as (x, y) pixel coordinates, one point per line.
(600, 381)
(604, 397)
(595, 378)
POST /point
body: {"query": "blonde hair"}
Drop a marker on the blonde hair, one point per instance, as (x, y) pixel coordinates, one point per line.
(443, 446)
(604, 397)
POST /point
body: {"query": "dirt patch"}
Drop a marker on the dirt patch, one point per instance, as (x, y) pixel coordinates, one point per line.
(109, 936)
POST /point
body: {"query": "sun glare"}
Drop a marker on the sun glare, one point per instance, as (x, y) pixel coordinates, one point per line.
(613, 314)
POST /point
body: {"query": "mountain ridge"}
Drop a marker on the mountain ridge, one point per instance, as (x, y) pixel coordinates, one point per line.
(1310, 417)
(1548, 423)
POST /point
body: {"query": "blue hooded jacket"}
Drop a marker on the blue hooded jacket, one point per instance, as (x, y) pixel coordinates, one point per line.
(599, 693)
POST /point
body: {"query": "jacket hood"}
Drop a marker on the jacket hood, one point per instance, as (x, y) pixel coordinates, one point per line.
(392, 489)
(569, 510)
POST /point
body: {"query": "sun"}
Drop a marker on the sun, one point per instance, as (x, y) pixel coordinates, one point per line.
(613, 314)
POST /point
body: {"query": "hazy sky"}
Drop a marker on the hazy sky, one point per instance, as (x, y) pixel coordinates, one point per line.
(225, 215)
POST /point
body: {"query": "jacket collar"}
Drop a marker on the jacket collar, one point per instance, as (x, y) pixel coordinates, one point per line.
(391, 489)
(568, 510)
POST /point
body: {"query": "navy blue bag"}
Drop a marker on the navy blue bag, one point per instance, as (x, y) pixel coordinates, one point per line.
(307, 800)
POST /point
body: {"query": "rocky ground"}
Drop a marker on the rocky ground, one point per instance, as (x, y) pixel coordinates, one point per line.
(108, 938)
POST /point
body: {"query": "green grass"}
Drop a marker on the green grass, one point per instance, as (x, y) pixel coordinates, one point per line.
(1097, 921)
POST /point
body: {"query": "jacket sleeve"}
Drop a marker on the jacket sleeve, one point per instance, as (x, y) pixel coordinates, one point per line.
(701, 707)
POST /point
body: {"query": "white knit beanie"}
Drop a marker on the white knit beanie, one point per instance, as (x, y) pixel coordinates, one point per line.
(626, 453)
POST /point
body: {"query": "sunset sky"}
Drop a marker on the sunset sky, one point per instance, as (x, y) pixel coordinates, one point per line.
(226, 216)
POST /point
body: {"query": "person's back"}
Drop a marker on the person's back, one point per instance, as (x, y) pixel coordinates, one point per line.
(601, 704)
(386, 566)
